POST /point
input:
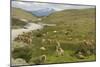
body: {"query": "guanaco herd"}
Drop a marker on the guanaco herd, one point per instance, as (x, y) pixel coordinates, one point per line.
(27, 38)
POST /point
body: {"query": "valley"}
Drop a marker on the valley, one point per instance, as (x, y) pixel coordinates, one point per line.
(63, 36)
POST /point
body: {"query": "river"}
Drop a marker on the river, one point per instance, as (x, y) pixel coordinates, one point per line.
(28, 27)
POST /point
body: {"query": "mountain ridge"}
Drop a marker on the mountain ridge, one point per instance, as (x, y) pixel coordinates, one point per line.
(43, 12)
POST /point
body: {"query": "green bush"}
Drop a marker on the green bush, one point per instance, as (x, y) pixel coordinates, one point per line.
(22, 52)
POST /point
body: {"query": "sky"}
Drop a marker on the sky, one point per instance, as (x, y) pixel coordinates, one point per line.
(32, 6)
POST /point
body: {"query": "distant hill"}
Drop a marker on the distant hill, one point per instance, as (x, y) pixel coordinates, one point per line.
(21, 14)
(71, 14)
(43, 12)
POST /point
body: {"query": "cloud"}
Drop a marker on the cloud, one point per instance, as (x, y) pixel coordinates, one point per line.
(31, 6)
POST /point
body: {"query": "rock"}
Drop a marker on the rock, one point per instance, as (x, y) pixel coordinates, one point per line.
(80, 55)
(88, 52)
(18, 61)
(55, 31)
(43, 48)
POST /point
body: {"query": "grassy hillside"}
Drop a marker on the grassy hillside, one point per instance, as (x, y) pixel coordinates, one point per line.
(72, 28)
(18, 15)
(21, 14)
(80, 22)
(16, 23)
